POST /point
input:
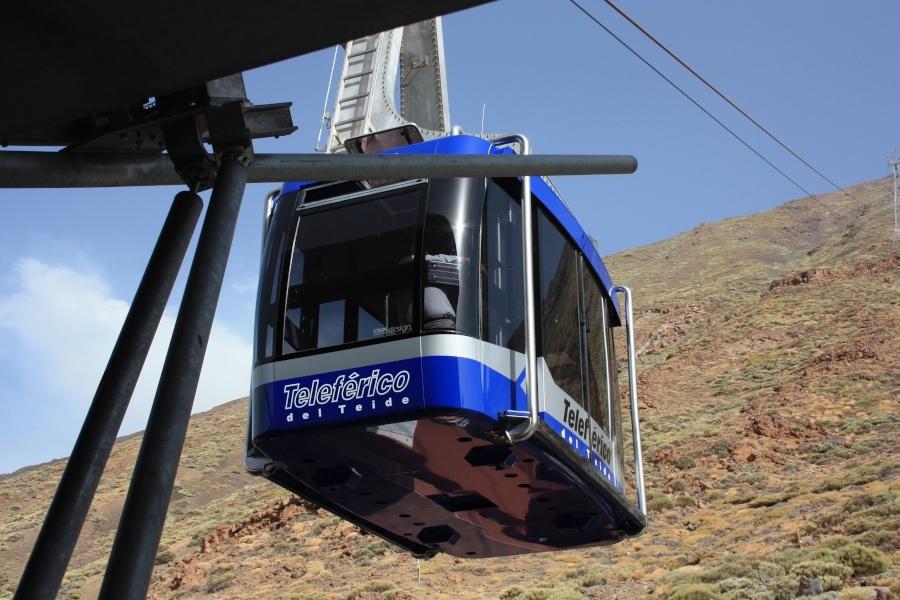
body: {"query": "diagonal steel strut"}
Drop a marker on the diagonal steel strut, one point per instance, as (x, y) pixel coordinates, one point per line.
(48, 561)
(140, 527)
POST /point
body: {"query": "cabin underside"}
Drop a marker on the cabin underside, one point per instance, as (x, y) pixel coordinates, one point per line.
(448, 483)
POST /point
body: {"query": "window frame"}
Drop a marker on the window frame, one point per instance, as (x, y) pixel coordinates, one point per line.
(584, 269)
(322, 205)
(617, 435)
(476, 259)
(504, 184)
(544, 213)
(270, 281)
(602, 329)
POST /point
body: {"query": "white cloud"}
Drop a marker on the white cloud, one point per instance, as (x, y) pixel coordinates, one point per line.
(245, 285)
(64, 324)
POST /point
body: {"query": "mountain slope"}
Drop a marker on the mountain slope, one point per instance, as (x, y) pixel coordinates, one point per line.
(770, 377)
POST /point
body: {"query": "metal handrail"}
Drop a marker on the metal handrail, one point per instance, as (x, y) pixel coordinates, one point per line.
(522, 433)
(632, 392)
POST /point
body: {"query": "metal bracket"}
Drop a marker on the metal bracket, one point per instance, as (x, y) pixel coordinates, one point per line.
(226, 130)
(185, 123)
(192, 162)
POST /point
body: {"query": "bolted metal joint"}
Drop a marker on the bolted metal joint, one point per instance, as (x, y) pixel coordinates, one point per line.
(225, 127)
(188, 154)
(229, 134)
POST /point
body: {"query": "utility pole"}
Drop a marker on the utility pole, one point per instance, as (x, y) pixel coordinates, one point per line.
(894, 163)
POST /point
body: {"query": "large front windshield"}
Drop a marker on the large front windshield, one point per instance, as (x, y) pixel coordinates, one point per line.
(353, 271)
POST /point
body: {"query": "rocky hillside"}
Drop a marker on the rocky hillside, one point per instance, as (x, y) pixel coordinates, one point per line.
(770, 378)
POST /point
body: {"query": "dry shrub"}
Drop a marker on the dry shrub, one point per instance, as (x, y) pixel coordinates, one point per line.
(858, 594)
(379, 586)
(860, 559)
(542, 591)
(695, 591)
(817, 569)
(659, 502)
(744, 588)
(588, 575)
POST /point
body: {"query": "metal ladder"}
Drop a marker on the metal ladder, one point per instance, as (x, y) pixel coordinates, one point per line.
(365, 95)
(352, 114)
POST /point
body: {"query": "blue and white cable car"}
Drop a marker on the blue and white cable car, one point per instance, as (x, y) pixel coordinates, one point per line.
(404, 379)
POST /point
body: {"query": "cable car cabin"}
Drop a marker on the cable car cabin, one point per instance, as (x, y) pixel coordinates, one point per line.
(389, 382)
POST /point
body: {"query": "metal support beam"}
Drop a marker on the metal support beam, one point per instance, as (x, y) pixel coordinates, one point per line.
(65, 517)
(67, 170)
(140, 527)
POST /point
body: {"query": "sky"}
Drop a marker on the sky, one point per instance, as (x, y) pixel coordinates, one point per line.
(821, 74)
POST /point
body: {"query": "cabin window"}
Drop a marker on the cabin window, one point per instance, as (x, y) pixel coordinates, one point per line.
(270, 277)
(559, 297)
(450, 256)
(596, 330)
(615, 403)
(502, 272)
(353, 272)
(576, 338)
